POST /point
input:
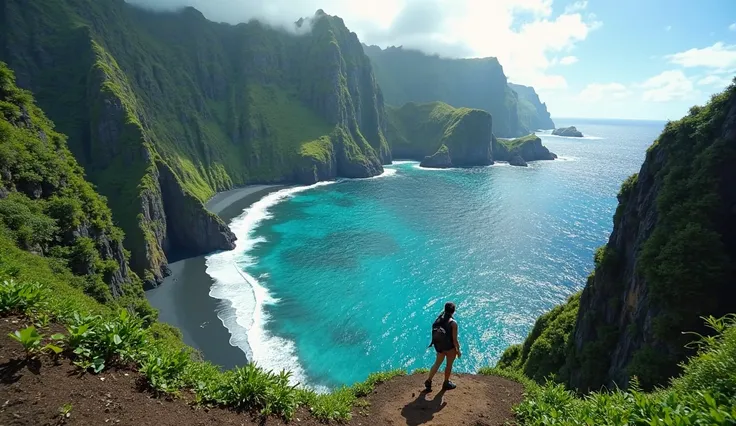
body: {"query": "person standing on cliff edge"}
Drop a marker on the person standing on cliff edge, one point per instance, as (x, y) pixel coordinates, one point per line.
(444, 340)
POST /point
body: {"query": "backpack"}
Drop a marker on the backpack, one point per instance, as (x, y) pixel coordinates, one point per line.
(441, 337)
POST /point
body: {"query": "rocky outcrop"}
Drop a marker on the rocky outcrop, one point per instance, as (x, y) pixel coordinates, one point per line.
(521, 150)
(407, 75)
(190, 228)
(532, 111)
(439, 160)
(568, 131)
(517, 160)
(423, 131)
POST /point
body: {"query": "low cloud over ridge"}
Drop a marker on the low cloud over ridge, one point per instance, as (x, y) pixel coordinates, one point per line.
(524, 35)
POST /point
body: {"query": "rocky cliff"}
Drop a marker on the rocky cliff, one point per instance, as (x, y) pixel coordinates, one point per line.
(407, 75)
(532, 111)
(165, 109)
(520, 150)
(668, 262)
(670, 258)
(458, 137)
(571, 131)
(47, 207)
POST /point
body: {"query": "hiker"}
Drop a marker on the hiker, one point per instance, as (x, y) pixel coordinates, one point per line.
(444, 340)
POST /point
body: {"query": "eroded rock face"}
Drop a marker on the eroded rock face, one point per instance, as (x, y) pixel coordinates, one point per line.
(190, 227)
(522, 150)
(567, 131)
(439, 160)
(517, 160)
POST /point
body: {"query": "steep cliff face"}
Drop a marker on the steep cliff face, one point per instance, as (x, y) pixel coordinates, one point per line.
(532, 112)
(670, 258)
(417, 131)
(215, 105)
(47, 207)
(411, 76)
(668, 262)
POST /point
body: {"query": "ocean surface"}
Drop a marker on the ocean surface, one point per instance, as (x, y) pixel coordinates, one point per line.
(338, 280)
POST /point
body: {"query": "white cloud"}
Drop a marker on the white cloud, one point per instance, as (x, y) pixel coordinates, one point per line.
(732, 27)
(576, 7)
(714, 80)
(719, 56)
(668, 27)
(667, 86)
(604, 91)
(523, 34)
(568, 60)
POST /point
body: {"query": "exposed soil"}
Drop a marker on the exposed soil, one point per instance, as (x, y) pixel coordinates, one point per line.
(478, 400)
(32, 392)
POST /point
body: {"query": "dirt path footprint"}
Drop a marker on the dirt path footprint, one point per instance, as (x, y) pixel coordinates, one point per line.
(478, 400)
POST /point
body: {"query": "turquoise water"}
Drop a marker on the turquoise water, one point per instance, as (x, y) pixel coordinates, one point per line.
(343, 279)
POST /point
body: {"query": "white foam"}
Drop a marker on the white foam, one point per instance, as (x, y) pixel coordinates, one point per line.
(245, 317)
(396, 163)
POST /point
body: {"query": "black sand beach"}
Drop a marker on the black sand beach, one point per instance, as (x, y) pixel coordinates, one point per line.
(183, 299)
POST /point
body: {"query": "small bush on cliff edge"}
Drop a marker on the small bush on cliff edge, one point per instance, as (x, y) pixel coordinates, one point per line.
(705, 394)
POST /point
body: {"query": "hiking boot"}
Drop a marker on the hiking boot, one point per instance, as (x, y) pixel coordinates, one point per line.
(428, 385)
(448, 385)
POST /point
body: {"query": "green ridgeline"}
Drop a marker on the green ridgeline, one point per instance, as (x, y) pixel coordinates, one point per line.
(668, 264)
(407, 75)
(143, 95)
(416, 131)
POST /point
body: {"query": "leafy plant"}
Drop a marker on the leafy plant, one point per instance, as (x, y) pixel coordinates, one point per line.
(164, 369)
(31, 341)
(65, 411)
(21, 297)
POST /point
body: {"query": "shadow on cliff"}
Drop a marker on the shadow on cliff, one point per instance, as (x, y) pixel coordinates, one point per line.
(422, 410)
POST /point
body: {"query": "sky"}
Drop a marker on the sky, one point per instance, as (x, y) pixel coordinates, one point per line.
(640, 59)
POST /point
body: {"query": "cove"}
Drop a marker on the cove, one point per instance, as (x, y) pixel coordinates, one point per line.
(342, 279)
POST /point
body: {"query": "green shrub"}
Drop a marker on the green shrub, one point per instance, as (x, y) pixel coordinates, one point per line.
(164, 369)
(21, 297)
(32, 340)
(705, 394)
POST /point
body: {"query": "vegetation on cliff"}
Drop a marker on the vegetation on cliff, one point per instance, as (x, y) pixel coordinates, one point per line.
(705, 393)
(520, 150)
(143, 95)
(417, 131)
(48, 209)
(668, 263)
(407, 75)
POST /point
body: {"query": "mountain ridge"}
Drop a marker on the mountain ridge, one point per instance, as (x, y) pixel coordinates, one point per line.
(408, 75)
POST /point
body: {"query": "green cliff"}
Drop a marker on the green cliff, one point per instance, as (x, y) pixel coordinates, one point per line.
(532, 111)
(668, 262)
(48, 209)
(520, 150)
(440, 135)
(411, 76)
(164, 109)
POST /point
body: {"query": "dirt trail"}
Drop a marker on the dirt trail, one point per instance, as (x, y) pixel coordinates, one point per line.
(32, 393)
(478, 400)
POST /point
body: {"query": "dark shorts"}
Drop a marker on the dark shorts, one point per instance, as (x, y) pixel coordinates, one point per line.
(444, 348)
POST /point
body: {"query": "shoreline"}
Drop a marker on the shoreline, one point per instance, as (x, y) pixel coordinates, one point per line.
(183, 298)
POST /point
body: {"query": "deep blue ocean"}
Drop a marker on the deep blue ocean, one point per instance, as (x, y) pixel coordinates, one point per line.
(342, 279)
